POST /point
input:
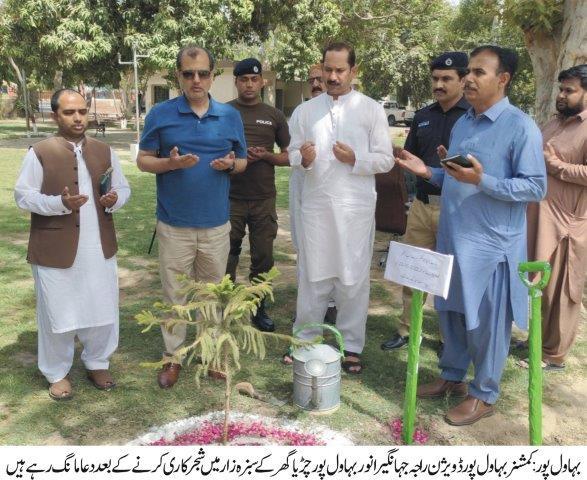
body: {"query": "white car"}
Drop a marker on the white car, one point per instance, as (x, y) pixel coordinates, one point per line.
(397, 114)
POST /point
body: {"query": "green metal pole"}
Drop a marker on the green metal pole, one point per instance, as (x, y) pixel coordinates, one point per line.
(413, 358)
(535, 345)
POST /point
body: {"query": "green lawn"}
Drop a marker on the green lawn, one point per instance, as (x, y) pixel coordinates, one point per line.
(12, 129)
(369, 401)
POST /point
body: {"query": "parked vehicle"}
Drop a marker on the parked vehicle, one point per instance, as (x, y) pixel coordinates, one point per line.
(397, 114)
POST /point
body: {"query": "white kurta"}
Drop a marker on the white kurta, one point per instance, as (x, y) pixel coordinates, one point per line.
(338, 201)
(86, 294)
(296, 180)
(336, 223)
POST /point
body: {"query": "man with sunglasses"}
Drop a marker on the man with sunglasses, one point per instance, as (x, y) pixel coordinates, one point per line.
(193, 144)
(252, 194)
(72, 245)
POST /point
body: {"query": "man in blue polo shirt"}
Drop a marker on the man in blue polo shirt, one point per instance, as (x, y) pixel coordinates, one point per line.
(192, 143)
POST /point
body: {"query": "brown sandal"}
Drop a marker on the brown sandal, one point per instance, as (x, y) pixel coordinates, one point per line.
(354, 367)
(287, 359)
(101, 379)
(61, 390)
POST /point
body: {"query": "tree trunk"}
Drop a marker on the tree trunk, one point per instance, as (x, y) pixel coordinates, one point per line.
(20, 74)
(551, 52)
(227, 392)
(58, 80)
(543, 48)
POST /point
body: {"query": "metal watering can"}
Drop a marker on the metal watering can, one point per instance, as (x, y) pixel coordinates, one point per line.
(317, 372)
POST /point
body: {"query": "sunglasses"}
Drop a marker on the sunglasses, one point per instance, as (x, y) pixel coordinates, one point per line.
(190, 74)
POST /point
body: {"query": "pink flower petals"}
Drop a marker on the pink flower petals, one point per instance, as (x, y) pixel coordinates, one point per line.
(420, 436)
(211, 433)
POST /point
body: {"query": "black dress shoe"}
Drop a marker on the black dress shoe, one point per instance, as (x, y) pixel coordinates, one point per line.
(262, 321)
(397, 341)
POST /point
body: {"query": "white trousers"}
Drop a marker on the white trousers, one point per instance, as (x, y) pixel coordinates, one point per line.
(55, 350)
(352, 303)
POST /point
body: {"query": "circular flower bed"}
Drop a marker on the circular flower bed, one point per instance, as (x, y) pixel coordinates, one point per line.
(243, 430)
(242, 433)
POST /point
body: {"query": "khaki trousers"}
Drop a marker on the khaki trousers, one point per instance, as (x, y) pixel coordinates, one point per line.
(421, 232)
(199, 253)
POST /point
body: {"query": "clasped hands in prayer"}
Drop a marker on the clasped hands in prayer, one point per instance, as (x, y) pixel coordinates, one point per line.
(177, 161)
(74, 202)
(342, 152)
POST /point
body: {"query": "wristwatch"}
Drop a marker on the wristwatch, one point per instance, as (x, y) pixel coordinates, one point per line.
(231, 168)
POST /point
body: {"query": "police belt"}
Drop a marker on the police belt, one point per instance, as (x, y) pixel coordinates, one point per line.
(428, 199)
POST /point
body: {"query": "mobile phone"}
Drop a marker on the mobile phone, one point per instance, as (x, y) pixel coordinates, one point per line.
(106, 181)
(459, 160)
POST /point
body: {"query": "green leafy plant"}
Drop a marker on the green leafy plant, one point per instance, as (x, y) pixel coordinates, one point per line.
(221, 313)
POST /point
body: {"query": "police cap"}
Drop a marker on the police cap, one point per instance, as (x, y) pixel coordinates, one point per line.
(450, 60)
(248, 66)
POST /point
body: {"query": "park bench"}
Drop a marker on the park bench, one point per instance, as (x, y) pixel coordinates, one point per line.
(104, 111)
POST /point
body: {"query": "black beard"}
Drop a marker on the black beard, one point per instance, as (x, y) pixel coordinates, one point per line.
(569, 111)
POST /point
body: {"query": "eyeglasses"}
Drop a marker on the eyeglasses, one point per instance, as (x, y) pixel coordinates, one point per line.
(190, 74)
(311, 80)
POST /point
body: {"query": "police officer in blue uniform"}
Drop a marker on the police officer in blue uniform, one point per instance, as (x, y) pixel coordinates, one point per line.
(429, 134)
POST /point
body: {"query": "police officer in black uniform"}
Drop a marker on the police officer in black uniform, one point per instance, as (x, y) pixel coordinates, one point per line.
(429, 135)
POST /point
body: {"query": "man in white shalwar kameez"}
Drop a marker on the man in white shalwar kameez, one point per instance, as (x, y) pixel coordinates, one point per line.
(341, 140)
(72, 246)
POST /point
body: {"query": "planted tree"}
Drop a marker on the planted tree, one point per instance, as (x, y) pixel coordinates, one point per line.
(221, 314)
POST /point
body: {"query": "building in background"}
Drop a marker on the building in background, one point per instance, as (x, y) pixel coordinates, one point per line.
(284, 96)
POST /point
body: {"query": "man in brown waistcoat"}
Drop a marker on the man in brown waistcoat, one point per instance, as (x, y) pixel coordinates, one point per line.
(72, 245)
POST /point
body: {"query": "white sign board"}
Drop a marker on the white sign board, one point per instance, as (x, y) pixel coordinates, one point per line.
(419, 268)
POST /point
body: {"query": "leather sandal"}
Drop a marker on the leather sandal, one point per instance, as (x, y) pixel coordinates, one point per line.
(287, 359)
(101, 379)
(546, 366)
(61, 390)
(353, 367)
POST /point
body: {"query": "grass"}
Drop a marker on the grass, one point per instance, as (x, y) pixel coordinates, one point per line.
(28, 416)
(10, 129)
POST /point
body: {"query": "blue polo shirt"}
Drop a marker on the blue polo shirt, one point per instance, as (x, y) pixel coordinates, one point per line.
(196, 196)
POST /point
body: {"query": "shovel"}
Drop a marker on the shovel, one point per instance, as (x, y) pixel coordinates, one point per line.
(535, 344)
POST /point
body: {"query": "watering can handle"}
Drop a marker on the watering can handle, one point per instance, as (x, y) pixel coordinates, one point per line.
(535, 267)
(334, 330)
